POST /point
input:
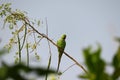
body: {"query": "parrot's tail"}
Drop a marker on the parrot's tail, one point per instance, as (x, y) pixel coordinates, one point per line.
(58, 64)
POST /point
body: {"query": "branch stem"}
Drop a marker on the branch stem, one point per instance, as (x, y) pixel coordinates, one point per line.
(19, 46)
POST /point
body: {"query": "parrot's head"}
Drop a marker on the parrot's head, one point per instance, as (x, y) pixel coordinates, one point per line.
(63, 36)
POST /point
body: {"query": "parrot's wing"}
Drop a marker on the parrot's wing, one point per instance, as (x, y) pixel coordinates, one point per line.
(61, 45)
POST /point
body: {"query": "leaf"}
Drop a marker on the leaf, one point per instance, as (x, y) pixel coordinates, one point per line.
(3, 51)
(34, 46)
(37, 56)
(3, 72)
(22, 28)
(1, 7)
(38, 23)
(11, 26)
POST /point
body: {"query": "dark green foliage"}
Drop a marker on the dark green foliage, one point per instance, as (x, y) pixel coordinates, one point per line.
(14, 71)
(96, 65)
(116, 64)
(116, 59)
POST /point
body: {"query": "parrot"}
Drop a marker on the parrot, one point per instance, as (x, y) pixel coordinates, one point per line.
(61, 43)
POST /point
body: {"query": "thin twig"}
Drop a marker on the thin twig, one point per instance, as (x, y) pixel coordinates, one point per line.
(39, 41)
(34, 37)
(24, 37)
(34, 41)
(49, 62)
(27, 50)
(19, 46)
(68, 68)
(47, 39)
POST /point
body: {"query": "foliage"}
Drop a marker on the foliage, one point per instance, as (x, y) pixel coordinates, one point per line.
(97, 66)
(16, 20)
(116, 65)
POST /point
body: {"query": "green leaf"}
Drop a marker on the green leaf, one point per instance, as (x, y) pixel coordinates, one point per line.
(1, 7)
(3, 72)
(38, 23)
(116, 59)
(3, 51)
(11, 26)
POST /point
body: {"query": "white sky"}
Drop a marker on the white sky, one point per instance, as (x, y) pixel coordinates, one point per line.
(84, 21)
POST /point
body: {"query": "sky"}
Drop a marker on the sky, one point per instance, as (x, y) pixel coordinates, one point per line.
(85, 22)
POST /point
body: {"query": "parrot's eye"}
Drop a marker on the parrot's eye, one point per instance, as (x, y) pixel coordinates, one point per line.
(64, 37)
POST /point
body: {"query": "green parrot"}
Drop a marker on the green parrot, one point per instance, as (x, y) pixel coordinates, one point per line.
(61, 43)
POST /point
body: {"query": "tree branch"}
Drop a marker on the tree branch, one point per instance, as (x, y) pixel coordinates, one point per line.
(45, 36)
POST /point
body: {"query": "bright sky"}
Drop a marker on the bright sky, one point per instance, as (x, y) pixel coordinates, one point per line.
(84, 21)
